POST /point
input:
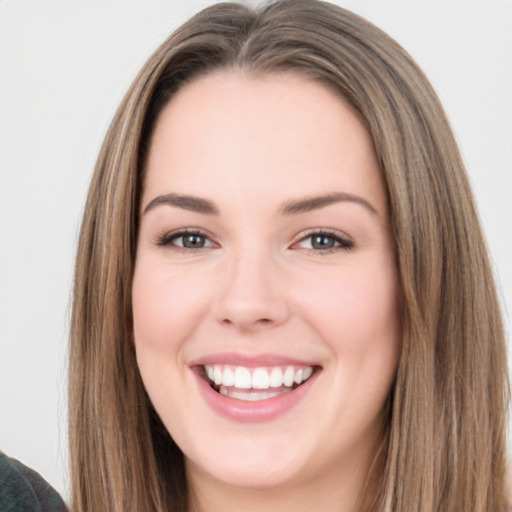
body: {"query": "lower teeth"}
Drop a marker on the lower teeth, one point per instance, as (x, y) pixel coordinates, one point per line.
(251, 396)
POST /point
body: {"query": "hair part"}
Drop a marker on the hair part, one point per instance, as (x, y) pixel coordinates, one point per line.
(445, 431)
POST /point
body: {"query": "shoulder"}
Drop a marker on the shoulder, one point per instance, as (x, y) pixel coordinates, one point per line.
(22, 488)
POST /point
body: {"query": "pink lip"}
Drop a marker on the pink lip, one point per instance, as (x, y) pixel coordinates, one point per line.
(249, 361)
(252, 412)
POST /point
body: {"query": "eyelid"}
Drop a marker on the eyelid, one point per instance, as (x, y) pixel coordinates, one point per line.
(165, 239)
(344, 242)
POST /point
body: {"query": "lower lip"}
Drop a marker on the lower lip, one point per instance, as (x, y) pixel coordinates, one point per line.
(244, 411)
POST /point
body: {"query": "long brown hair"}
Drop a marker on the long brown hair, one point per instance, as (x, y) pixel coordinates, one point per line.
(445, 435)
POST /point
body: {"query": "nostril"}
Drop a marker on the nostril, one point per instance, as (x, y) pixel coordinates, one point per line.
(260, 321)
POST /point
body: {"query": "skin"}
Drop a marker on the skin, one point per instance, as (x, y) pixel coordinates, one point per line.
(259, 285)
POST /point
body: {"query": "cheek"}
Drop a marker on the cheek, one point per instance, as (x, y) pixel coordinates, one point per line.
(356, 310)
(166, 306)
(356, 313)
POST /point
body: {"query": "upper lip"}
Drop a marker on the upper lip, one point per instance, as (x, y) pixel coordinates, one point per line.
(249, 360)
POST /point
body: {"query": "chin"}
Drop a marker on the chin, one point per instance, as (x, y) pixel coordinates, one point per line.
(262, 466)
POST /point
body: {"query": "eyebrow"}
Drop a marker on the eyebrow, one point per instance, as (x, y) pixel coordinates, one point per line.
(292, 207)
(192, 203)
(307, 204)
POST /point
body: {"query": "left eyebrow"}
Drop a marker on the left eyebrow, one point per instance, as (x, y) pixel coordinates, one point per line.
(307, 204)
(192, 203)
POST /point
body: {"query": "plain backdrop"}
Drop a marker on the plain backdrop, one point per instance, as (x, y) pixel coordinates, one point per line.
(64, 67)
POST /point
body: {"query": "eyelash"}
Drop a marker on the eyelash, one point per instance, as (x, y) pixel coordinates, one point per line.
(167, 239)
(340, 243)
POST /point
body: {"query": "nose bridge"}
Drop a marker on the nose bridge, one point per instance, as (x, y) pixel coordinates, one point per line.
(251, 294)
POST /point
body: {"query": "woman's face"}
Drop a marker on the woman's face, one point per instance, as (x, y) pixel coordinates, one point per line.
(264, 260)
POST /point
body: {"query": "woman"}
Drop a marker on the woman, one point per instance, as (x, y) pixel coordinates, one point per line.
(282, 296)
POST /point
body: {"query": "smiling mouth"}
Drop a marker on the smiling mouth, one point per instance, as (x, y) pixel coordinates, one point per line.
(253, 384)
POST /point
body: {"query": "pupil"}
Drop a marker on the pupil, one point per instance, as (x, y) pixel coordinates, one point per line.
(322, 242)
(193, 241)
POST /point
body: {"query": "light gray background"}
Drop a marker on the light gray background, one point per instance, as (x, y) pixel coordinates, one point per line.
(64, 67)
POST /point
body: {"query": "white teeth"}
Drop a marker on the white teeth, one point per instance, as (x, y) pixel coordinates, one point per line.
(217, 375)
(250, 396)
(260, 379)
(288, 377)
(276, 377)
(228, 378)
(243, 378)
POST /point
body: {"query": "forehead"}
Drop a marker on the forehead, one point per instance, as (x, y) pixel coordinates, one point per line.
(248, 134)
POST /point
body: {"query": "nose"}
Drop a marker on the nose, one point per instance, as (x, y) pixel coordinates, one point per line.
(252, 294)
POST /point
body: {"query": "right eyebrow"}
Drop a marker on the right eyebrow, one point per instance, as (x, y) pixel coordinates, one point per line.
(315, 202)
(191, 203)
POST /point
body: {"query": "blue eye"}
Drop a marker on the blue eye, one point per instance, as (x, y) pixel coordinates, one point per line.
(185, 240)
(324, 242)
(191, 241)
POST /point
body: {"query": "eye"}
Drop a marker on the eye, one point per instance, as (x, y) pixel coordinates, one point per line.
(324, 241)
(185, 240)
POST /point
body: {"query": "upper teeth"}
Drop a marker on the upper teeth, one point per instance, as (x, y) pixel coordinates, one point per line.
(257, 378)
